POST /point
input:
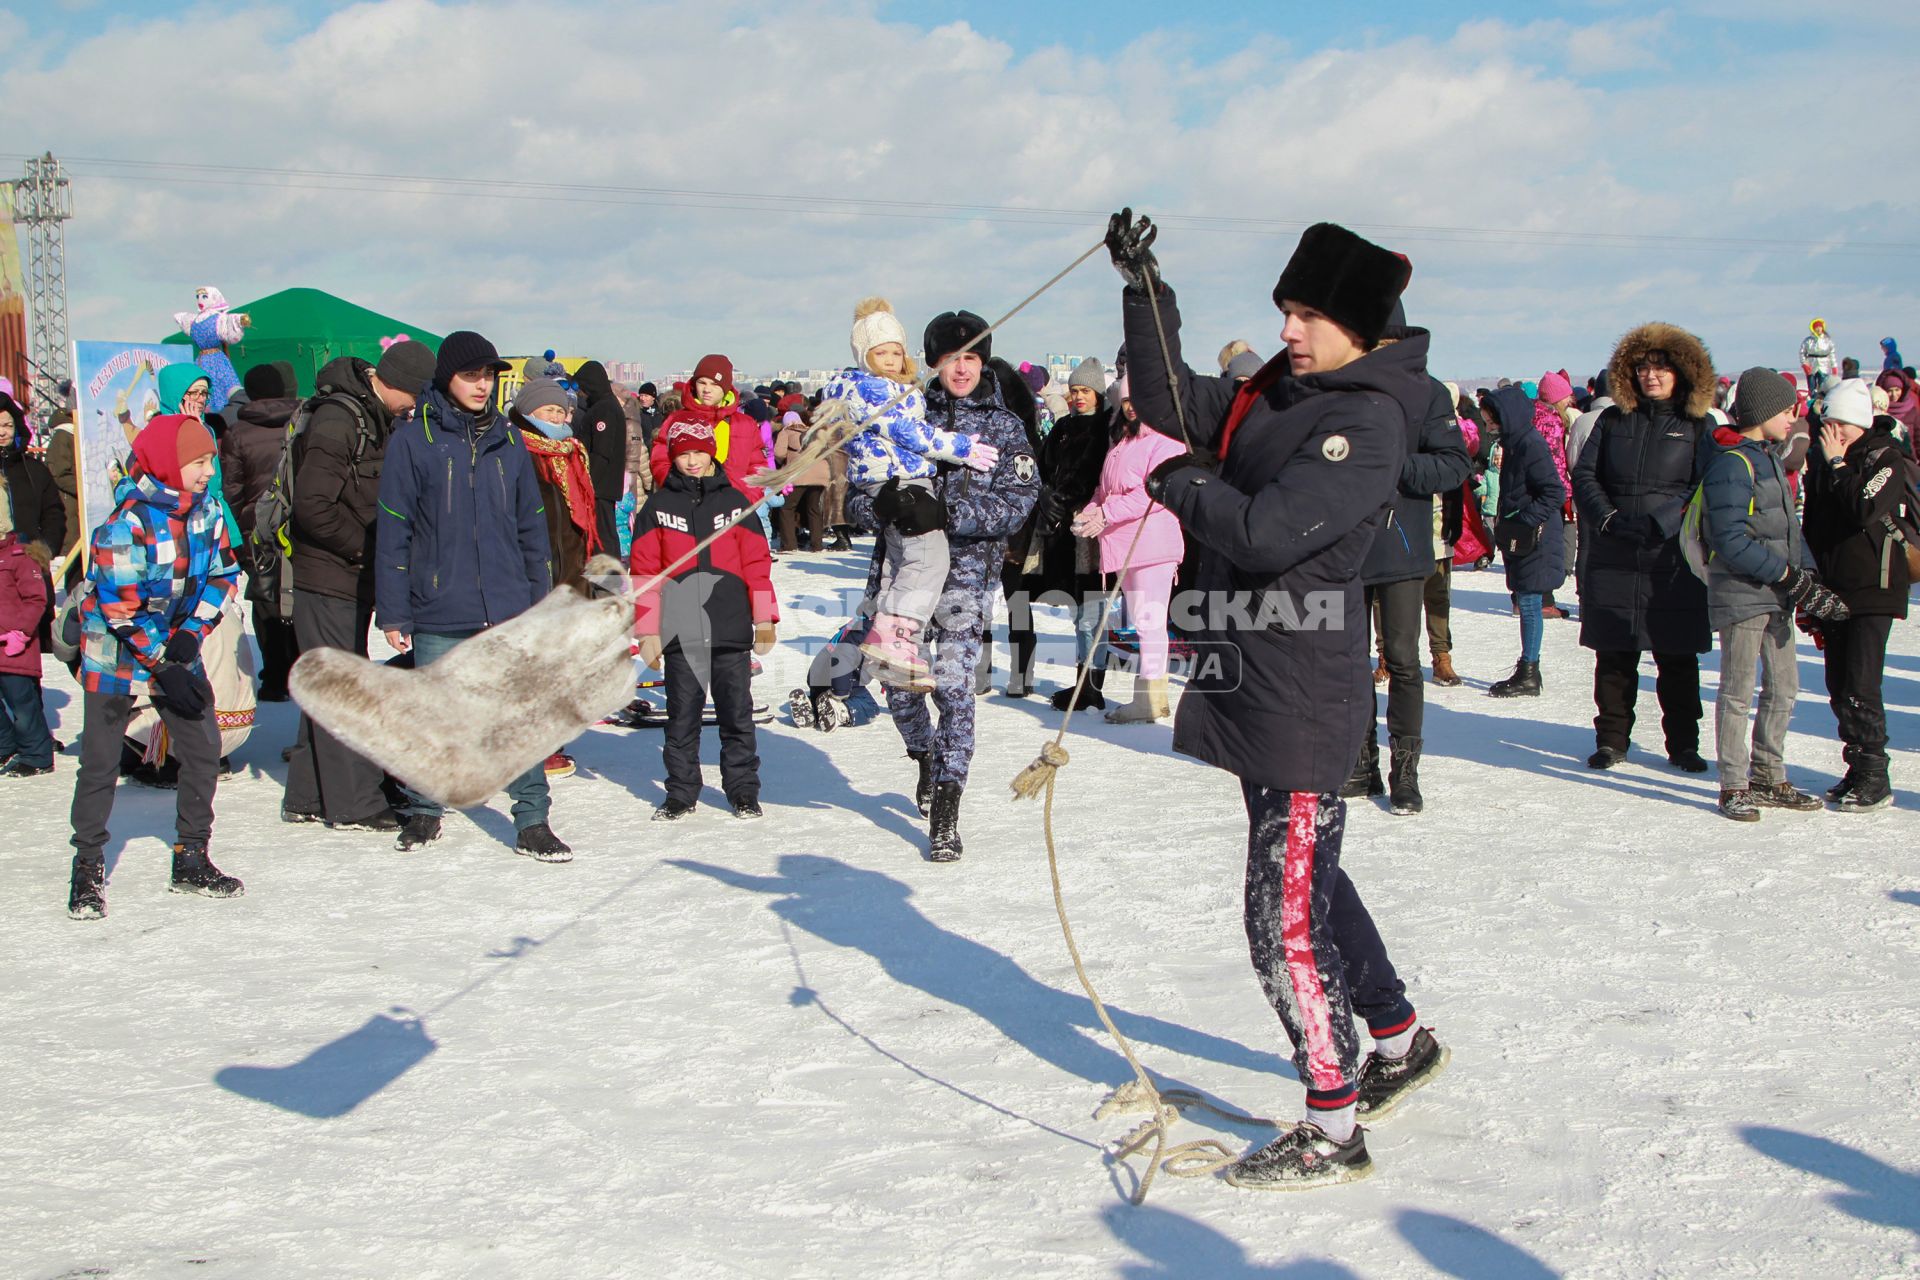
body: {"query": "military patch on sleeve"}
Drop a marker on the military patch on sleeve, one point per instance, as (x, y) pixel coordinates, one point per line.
(1025, 469)
(1334, 448)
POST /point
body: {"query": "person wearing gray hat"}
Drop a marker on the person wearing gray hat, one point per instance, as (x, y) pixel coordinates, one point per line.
(1089, 373)
(1759, 573)
(1244, 366)
(406, 366)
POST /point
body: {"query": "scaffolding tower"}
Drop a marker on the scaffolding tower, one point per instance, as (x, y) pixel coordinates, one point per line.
(43, 202)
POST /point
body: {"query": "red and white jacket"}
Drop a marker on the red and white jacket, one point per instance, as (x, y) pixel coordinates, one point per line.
(715, 599)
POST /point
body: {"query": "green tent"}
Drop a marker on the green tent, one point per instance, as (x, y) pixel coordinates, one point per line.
(308, 328)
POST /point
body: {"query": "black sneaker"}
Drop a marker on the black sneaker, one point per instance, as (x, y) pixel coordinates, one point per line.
(672, 811)
(539, 843)
(1605, 758)
(419, 832)
(300, 815)
(385, 820)
(1739, 806)
(1687, 760)
(87, 892)
(1386, 1082)
(748, 810)
(1300, 1158)
(1782, 795)
(18, 768)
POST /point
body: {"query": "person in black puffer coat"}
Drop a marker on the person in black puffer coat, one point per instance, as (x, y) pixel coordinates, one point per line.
(1855, 479)
(600, 423)
(1066, 569)
(38, 514)
(1286, 486)
(1532, 497)
(249, 456)
(1631, 485)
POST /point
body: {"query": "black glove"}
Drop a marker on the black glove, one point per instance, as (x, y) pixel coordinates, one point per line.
(1049, 509)
(1130, 245)
(886, 503)
(182, 647)
(919, 511)
(185, 692)
(1804, 592)
(1640, 530)
(1198, 459)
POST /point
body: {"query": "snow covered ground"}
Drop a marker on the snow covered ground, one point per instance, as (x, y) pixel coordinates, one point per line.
(1682, 1047)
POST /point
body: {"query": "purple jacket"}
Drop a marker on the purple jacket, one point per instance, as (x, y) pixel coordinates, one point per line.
(1122, 499)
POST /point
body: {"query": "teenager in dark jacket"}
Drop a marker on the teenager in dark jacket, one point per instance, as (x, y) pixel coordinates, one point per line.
(982, 511)
(463, 547)
(38, 515)
(1286, 487)
(1396, 572)
(703, 620)
(600, 423)
(1854, 485)
(249, 456)
(1631, 486)
(1758, 572)
(337, 462)
(1531, 497)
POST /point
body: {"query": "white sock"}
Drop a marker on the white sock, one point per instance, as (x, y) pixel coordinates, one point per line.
(1337, 1124)
(1396, 1046)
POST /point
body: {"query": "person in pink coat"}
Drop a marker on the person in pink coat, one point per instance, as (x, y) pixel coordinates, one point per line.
(1121, 509)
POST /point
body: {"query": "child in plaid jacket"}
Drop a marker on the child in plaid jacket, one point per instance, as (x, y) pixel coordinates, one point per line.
(162, 568)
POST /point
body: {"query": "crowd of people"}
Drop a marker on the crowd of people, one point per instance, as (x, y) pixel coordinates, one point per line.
(1337, 486)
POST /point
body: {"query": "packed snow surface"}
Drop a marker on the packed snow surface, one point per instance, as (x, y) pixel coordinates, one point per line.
(1681, 1046)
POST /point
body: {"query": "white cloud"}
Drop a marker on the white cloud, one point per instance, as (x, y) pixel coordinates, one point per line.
(1500, 126)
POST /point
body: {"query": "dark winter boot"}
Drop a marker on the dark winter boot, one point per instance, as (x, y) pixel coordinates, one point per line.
(87, 896)
(923, 786)
(1090, 696)
(1300, 1158)
(800, 707)
(539, 843)
(1873, 790)
(420, 831)
(1605, 757)
(1686, 759)
(1365, 778)
(194, 872)
(1849, 780)
(1403, 785)
(943, 823)
(1523, 683)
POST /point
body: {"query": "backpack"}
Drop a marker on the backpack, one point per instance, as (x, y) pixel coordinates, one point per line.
(1694, 545)
(268, 553)
(1902, 525)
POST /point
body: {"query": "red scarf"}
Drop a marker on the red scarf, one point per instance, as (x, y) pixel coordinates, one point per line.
(563, 464)
(1249, 394)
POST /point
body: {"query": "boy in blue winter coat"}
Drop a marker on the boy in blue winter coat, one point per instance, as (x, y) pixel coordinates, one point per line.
(462, 547)
(892, 461)
(1757, 576)
(162, 569)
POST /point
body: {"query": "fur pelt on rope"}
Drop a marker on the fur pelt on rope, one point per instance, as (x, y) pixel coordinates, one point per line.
(460, 730)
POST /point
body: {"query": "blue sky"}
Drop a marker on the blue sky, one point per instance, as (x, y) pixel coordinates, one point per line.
(1557, 173)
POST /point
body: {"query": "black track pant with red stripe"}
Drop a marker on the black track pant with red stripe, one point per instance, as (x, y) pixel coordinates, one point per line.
(1315, 948)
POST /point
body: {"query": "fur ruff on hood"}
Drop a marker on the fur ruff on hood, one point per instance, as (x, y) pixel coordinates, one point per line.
(1691, 361)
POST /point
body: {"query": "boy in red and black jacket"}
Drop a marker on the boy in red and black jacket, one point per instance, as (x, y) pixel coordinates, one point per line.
(705, 618)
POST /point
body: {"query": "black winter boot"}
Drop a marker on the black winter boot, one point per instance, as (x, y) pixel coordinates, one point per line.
(1404, 776)
(194, 872)
(943, 823)
(1523, 683)
(87, 896)
(923, 786)
(1090, 696)
(1873, 790)
(1851, 779)
(1365, 778)
(539, 843)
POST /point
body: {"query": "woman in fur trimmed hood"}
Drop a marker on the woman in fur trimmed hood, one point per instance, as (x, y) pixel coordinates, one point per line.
(1631, 483)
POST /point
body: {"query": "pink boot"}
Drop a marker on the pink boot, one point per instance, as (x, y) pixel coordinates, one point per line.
(892, 646)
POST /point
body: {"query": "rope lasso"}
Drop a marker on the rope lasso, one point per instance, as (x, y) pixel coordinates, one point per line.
(1200, 1157)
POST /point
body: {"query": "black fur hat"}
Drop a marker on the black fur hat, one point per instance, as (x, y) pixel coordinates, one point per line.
(951, 330)
(1351, 280)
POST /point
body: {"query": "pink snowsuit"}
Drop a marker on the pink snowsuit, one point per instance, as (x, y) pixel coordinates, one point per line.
(1147, 584)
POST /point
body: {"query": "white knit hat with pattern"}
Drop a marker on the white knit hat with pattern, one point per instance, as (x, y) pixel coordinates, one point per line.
(875, 325)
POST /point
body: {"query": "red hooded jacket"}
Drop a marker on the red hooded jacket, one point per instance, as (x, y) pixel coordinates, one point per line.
(714, 600)
(737, 435)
